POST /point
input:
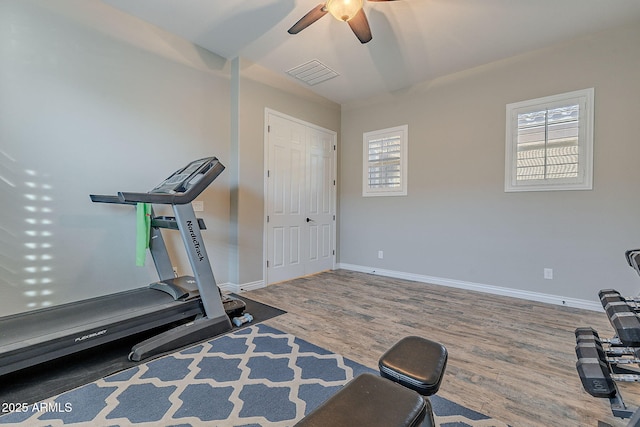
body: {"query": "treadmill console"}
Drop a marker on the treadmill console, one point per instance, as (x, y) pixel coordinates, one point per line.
(180, 188)
(183, 179)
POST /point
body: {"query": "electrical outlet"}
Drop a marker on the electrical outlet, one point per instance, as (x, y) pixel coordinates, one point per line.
(380, 254)
(548, 273)
(198, 205)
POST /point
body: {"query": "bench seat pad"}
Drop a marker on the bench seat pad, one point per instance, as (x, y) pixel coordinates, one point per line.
(372, 401)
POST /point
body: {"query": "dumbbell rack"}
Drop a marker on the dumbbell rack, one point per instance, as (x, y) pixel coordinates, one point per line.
(599, 366)
(603, 362)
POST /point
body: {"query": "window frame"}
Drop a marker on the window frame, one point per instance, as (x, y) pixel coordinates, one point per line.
(584, 181)
(398, 131)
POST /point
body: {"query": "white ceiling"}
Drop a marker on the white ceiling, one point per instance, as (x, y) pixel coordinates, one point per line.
(413, 40)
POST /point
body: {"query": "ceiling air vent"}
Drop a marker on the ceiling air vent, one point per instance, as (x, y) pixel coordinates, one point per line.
(312, 72)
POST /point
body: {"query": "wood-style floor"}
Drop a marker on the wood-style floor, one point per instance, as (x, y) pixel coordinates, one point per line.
(510, 359)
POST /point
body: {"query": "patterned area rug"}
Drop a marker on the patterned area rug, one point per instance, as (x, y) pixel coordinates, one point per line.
(254, 377)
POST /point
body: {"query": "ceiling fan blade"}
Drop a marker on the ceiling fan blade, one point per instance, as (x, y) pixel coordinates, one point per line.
(312, 16)
(360, 27)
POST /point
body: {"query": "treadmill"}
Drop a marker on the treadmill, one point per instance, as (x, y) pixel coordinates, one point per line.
(195, 302)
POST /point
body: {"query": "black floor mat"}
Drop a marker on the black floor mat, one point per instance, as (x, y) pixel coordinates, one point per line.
(49, 379)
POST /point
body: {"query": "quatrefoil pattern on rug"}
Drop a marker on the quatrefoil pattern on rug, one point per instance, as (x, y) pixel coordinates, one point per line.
(254, 377)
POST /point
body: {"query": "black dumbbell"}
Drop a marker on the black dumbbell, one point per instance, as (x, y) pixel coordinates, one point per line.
(596, 378)
(591, 350)
(586, 334)
(626, 323)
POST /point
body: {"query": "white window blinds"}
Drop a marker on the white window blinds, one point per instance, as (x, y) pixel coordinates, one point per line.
(384, 163)
(549, 143)
(384, 168)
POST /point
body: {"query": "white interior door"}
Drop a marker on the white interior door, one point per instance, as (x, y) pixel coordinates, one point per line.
(319, 201)
(300, 199)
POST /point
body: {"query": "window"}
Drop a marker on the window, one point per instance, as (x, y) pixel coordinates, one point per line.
(549, 144)
(385, 162)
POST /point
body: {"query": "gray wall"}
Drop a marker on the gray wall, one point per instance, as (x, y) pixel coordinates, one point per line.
(457, 225)
(95, 101)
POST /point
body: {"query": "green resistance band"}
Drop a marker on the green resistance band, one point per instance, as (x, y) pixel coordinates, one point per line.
(143, 231)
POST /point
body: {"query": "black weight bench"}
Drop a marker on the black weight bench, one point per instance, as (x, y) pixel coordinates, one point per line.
(409, 370)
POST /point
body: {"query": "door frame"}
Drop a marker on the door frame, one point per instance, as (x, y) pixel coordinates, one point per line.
(265, 231)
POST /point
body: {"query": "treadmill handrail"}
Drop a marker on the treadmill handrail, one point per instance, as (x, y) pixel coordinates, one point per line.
(131, 198)
(103, 198)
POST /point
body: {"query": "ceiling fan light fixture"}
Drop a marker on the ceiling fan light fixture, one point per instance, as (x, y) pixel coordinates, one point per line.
(344, 10)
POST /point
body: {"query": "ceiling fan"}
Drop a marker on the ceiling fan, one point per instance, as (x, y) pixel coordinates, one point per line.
(349, 11)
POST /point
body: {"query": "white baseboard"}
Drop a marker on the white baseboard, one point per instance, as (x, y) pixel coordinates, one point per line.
(497, 290)
(228, 287)
(236, 289)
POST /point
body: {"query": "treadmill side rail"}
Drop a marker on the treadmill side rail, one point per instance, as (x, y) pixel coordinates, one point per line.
(180, 288)
(190, 333)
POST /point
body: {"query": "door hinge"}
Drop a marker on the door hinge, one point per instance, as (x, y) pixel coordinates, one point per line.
(268, 128)
(334, 217)
(267, 263)
(334, 148)
(267, 218)
(268, 173)
(334, 182)
(333, 252)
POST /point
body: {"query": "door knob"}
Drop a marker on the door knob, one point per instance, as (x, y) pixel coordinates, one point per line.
(310, 220)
